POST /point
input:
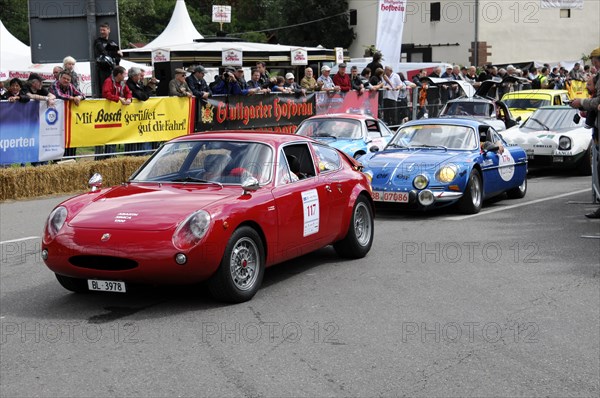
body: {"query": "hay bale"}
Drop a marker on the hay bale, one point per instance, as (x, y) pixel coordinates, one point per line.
(66, 178)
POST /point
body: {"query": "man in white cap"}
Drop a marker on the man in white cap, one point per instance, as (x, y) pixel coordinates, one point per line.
(292, 85)
(325, 81)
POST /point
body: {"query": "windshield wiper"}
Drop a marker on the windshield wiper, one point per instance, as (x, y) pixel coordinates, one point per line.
(540, 123)
(194, 179)
(397, 146)
(326, 136)
(431, 146)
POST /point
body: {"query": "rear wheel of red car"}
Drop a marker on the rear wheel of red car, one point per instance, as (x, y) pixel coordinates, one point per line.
(73, 284)
(241, 271)
(359, 238)
(470, 203)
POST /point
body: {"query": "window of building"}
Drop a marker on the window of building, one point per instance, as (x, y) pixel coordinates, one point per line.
(435, 11)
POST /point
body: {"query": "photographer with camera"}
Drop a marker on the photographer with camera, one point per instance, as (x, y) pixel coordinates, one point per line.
(227, 84)
(592, 107)
(108, 55)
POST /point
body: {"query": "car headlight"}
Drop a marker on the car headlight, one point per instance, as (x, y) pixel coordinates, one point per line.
(191, 230)
(369, 175)
(56, 220)
(564, 143)
(446, 173)
(421, 181)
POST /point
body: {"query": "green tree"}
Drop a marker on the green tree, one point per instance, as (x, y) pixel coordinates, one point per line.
(319, 22)
(13, 14)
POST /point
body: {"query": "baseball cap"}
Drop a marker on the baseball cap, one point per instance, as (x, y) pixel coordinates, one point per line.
(199, 68)
(342, 65)
(180, 70)
(289, 76)
(325, 68)
(34, 76)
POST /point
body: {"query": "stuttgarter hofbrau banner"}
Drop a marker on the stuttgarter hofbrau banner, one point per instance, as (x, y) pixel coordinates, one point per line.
(31, 132)
(100, 122)
(390, 24)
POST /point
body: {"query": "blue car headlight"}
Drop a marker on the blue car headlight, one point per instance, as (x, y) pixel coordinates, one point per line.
(446, 173)
(421, 181)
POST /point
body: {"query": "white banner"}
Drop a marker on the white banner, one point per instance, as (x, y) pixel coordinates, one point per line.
(232, 57)
(339, 55)
(161, 55)
(390, 24)
(299, 56)
(561, 4)
(52, 131)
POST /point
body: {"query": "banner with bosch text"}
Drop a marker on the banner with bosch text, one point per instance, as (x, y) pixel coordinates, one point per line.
(31, 132)
(350, 102)
(100, 122)
(279, 112)
(390, 24)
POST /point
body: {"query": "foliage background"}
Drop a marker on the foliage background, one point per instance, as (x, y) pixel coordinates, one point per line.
(272, 21)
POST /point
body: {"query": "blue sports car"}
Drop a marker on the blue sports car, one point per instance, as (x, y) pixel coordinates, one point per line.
(437, 162)
(354, 134)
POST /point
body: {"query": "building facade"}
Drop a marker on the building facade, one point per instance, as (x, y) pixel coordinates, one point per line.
(506, 30)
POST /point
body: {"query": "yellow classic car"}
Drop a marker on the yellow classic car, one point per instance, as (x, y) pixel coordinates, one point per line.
(523, 103)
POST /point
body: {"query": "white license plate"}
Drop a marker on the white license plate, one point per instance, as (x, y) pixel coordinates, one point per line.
(530, 154)
(557, 159)
(396, 197)
(106, 286)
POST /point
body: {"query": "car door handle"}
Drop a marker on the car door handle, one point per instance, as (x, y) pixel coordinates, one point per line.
(328, 188)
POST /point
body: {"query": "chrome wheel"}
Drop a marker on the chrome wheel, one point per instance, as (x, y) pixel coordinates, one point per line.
(244, 263)
(476, 191)
(362, 224)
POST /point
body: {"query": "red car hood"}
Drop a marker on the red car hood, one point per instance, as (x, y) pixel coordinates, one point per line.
(148, 207)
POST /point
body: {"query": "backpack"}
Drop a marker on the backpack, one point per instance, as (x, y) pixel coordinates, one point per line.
(537, 82)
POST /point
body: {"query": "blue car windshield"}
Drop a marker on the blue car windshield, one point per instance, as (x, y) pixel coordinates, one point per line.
(435, 135)
(346, 129)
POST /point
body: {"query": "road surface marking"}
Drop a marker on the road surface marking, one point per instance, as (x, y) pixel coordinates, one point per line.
(19, 240)
(483, 213)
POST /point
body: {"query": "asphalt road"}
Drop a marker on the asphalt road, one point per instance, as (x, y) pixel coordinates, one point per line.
(503, 303)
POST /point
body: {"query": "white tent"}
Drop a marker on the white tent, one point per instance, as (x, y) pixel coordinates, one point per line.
(180, 28)
(15, 61)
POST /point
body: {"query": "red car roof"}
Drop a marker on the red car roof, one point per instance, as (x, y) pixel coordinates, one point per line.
(267, 137)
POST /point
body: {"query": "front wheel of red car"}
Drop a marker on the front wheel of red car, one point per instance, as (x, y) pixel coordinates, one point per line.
(359, 238)
(73, 284)
(241, 271)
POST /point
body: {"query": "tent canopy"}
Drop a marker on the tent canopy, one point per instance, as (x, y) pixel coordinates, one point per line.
(180, 27)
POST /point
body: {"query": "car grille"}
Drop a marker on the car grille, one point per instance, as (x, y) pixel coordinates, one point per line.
(105, 263)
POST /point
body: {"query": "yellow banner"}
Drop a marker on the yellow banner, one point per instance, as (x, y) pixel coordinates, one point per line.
(100, 122)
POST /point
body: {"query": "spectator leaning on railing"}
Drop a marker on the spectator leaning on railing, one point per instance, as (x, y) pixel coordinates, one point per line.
(15, 92)
(64, 90)
(35, 91)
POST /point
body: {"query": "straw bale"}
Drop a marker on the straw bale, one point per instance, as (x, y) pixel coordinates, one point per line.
(66, 178)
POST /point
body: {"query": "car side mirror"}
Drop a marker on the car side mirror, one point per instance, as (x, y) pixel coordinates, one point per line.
(518, 119)
(576, 118)
(95, 183)
(374, 149)
(250, 184)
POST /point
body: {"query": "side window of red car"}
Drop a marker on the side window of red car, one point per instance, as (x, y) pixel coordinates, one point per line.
(300, 160)
(329, 158)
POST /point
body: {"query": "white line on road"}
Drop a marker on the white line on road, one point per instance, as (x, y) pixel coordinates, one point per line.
(19, 240)
(483, 213)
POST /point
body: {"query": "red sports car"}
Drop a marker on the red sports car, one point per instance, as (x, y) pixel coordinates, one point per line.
(218, 206)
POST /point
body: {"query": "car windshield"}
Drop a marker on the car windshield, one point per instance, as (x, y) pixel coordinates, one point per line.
(435, 135)
(553, 119)
(206, 161)
(468, 109)
(347, 129)
(525, 103)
